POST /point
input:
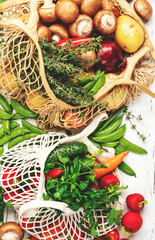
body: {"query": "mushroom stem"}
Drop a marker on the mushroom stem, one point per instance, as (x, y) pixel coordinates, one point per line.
(56, 37)
(107, 21)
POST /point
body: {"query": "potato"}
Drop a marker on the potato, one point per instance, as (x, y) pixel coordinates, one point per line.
(129, 35)
(9, 83)
(82, 76)
(35, 101)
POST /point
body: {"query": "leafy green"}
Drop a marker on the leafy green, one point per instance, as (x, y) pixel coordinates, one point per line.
(74, 189)
(1, 1)
(3, 205)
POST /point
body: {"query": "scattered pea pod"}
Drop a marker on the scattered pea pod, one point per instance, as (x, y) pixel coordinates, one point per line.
(4, 115)
(13, 125)
(117, 134)
(20, 139)
(32, 128)
(14, 133)
(6, 126)
(5, 105)
(21, 109)
(119, 149)
(131, 146)
(109, 144)
(1, 150)
(110, 128)
(17, 116)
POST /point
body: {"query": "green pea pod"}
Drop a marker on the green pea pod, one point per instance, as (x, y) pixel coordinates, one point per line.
(4, 115)
(95, 143)
(109, 144)
(13, 125)
(119, 149)
(32, 128)
(17, 116)
(0, 120)
(109, 120)
(1, 150)
(126, 169)
(84, 81)
(110, 128)
(14, 133)
(20, 139)
(21, 109)
(89, 85)
(100, 82)
(5, 105)
(111, 136)
(98, 73)
(6, 126)
(131, 146)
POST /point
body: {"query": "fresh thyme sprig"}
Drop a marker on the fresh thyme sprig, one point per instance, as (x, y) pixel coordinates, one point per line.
(130, 116)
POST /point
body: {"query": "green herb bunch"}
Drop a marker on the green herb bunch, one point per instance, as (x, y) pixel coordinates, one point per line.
(3, 205)
(74, 187)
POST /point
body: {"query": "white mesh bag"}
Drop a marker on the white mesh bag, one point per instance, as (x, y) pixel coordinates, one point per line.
(25, 163)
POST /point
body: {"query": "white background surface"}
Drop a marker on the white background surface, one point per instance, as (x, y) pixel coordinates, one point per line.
(143, 164)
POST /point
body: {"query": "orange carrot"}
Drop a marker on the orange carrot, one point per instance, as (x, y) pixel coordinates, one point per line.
(111, 164)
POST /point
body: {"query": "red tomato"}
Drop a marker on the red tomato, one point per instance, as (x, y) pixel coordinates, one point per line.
(107, 180)
(135, 202)
(77, 235)
(10, 177)
(53, 173)
(12, 196)
(113, 235)
(72, 119)
(27, 223)
(95, 186)
(35, 181)
(132, 221)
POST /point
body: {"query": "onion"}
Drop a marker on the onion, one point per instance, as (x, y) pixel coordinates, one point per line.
(111, 56)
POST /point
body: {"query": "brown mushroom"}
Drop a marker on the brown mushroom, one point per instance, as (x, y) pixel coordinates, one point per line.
(90, 7)
(59, 32)
(47, 12)
(89, 56)
(67, 11)
(143, 8)
(78, 2)
(82, 27)
(44, 32)
(105, 21)
(11, 230)
(109, 5)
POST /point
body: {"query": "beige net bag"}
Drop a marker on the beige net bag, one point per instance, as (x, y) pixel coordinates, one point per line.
(25, 162)
(22, 74)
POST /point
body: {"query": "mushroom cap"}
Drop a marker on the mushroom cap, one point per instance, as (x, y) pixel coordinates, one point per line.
(109, 5)
(44, 32)
(89, 55)
(11, 227)
(143, 8)
(47, 15)
(90, 7)
(67, 11)
(105, 21)
(82, 27)
(60, 30)
(78, 2)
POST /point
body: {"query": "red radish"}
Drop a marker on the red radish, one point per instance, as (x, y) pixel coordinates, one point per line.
(27, 224)
(113, 235)
(53, 173)
(135, 202)
(95, 186)
(111, 56)
(34, 238)
(132, 221)
(27, 193)
(35, 181)
(107, 180)
(12, 196)
(78, 235)
(10, 177)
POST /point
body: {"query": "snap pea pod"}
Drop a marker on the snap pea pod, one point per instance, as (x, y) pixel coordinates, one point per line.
(14, 133)
(5, 105)
(13, 125)
(84, 81)
(126, 169)
(6, 126)
(131, 146)
(110, 128)
(109, 120)
(4, 115)
(0, 120)
(100, 82)
(89, 85)
(1, 150)
(21, 109)
(109, 144)
(98, 73)
(20, 139)
(95, 143)
(17, 116)
(32, 128)
(119, 149)
(111, 136)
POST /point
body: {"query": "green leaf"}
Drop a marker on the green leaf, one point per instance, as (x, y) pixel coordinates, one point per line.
(114, 217)
(63, 158)
(83, 185)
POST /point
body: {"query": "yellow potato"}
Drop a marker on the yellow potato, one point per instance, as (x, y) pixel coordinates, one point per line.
(129, 35)
(35, 101)
(9, 83)
(83, 75)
